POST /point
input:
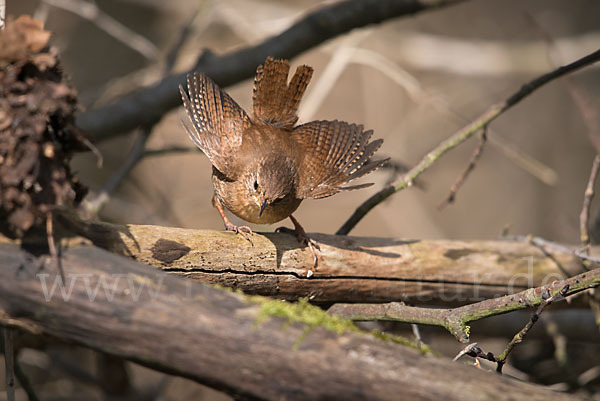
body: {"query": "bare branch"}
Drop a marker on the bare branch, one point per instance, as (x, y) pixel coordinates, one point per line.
(147, 105)
(518, 338)
(52, 245)
(173, 53)
(94, 205)
(456, 320)
(462, 178)
(476, 352)
(584, 217)
(90, 11)
(461, 136)
(544, 243)
(26, 384)
(169, 150)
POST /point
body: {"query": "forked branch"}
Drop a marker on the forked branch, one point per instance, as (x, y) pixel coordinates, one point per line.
(461, 136)
(456, 320)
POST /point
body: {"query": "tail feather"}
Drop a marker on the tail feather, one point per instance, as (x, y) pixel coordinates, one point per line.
(274, 100)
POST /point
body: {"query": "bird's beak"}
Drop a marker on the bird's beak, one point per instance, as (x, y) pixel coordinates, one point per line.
(263, 205)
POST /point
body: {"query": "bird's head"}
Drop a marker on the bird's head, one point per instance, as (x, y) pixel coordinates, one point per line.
(273, 180)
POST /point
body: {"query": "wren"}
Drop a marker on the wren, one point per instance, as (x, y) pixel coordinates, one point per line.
(263, 165)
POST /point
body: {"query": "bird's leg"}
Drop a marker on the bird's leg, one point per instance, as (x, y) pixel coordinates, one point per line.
(304, 239)
(229, 226)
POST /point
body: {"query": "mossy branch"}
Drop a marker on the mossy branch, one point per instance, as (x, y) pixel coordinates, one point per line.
(456, 320)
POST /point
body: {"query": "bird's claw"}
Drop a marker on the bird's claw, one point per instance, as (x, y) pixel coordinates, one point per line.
(304, 240)
(241, 230)
(312, 245)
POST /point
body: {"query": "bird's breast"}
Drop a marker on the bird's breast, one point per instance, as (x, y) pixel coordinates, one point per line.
(234, 196)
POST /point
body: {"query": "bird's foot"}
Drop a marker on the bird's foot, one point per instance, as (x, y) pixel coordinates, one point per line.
(244, 231)
(313, 246)
(305, 240)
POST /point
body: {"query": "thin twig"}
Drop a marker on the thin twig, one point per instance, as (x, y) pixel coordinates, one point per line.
(461, 136)
(41, 12)
(475, 351)
(583, 254)
(590, 117)
(550, 256)
(589, 376)
(138, 150)
(169, 150)
(24, 381)
(396, 169)
(94, 205)
(541, 242)
(9, 361)
(417, 334)
(580, 97)
(337, 64)
(52, 245)
(467, 350)
(523, 160)
(94, 149)
(588, 111)
(90, 11)
(173, 54)
(518, 338)
(584, 217)
(456, 320)
(414, 90)
(470, 167)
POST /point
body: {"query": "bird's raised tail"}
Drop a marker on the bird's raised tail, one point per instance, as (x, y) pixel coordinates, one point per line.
(274, 100)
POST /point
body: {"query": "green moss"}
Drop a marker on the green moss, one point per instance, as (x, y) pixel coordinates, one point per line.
(303, 312)
(313, 316)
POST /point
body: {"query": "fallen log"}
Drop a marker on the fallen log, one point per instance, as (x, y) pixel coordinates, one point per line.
(351, 269)
(250, 347)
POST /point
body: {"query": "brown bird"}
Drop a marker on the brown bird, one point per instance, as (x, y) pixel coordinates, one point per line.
(263, 165)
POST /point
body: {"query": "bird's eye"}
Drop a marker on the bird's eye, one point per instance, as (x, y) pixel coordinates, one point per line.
(256, 185)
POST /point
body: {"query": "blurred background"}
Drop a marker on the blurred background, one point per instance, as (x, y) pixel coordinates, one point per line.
(415, 81)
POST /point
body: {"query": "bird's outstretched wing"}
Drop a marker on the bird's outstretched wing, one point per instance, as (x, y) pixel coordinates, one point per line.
(275, 101)
(218, 122)
(334, 153)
